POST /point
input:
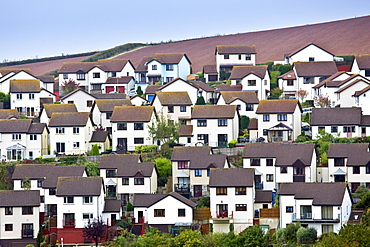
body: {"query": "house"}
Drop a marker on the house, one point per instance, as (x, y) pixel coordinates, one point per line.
(215, 125)
(362, 99)
(82, 100)
(279, 120)
(232, 199)
(125, 175)
(191, 168)
(246, 101)
(22, 139)
(9, 114)
(276, 163)
(91, 75)
(101, 139)
(163, 211)
(138, 100)
(288, 83)
(79, 200)
(150, 91)
(323, 206)
(349, 163)
(309, 53)
(165, 67)
(121, 84)
(210, 73)
(206, 91)
(102, 111)
(130, 127)
(186, 135)
(141, 72)
(70, 132)
(253, 129)
(26, 96)
(252, 78)
(228, 56)
(19, 217)
(361, 65)
(112, 212)
(175, 106)
(345, 94)
(49, 109)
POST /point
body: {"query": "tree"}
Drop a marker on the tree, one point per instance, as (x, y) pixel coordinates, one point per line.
(200, 101)
(139, 91)
(5, 98)
(164, 130)
(302, 94)
(95, 150)
(322, 101)
(164, 167)
(69, 86)
(94, 230)
(276, 92)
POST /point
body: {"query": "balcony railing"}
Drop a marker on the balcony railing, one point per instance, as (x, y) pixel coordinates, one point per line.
(111, 195)
(308, 217)
(259, 186)
(222, 214)
(182, 188)
(69, 223)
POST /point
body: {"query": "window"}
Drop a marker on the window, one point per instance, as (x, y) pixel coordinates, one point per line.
(240, 190)
(298, 171)
(8, 210)
(181, 212)
(238, 107)
(265, 132)
(170, 109)
(16, 137)
(252, 82)
(367, 168)
(154, 67)
(139, 181)
(59, 130)
(95, 86)
(114, 74)
(40, 183)
(182, 164)
(308, 80)
(189, 140)
(87, 199)
(52, 191)
(168, 79)
(169, 67)
(327, 228)
(255, 162)
(202, 123)
(27, 210)
(8, 227)
(110, 173)
(249, 107)
(138, 140)
(19, 96)
(240, 207)
(138, 126)
(80, 76)
(290, 82)
(311, 59)
(321, 128)
(61, 147)
(222, 122)
(87, 216)
(70, 102)
(269, 177)
(269, 162)
(282, 117)
(68, 199)
(76, 144)
(33, 137)
(89, 103)
(283, 170)
(208, 172)
(338, 161)
(159, 213)
(30, 155)
(203, 137)
(96, 75)
(221, 191)
(334, 129)
(198, 173)
(65, 76)
(226, 56)
(266, 117)
(31, 96)
(349, 129)
(289, 209)
(108, 115)
(182, 108)
(42, 199)
(248, 57)
(356, 170)
(125, 181)
(121, 126)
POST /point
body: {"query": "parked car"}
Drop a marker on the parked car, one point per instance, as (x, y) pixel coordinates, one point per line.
(305, 126)
(307, 110)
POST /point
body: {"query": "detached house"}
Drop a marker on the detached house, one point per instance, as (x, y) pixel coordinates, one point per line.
(246, 101)
(362, 99)
(80, 98)
(70, 132)
(191, 168)
(323, 206)
(361, 65)
(228, 56)
(276, 163)
(49, 109)
(210, 72)
(309, 53)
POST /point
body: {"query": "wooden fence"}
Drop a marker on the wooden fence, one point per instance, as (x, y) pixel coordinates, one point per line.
(202, 213)
(269, 213)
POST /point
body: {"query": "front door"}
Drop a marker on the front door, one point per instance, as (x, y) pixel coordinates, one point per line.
(258, 182)
(113, 218)
(122, 144)
(140, 216)
(206, 141)
(197, 190)
(222, 210)
(222, 140)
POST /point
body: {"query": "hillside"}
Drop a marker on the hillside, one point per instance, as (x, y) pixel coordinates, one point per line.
(344, 37)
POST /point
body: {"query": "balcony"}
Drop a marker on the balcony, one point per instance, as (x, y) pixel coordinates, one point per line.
(309, 218)
(222, 215)
(259, 185)
(111, 195)
(69, 223)
(182, 188)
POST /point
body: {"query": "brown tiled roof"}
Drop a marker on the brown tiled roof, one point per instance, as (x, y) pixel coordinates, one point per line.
(225, 87)
(363, 61)
(358, 93)
(236, 49)
(113, 64)
(350, 85)
(305, 69)
(112, 206)
(104, 64)
(24, 86)
(113, 161)
(169, 58)
(199, 157)
(119, 80)
(336, 116)
(54, 108)
(69, 119)
(321, 193)
(5, 71)
(330, 82)
(174, 98)
(290, 75)
(46, 79)
(365, 120)
(19, 198)
(151, 89)
(75, 67)
(239, 72)
(142, 67)
(99, 136)
(213, 111)
(253, 124)
(285, 154)
(278, 106)
(263, 196)
(186, 130)
(144, 169)
(15, 125)
(9, 113)
(245, 96)
(147, 200)
(79, 186)
(357, 154)
(210, 69)
(109, 96)
(202, 85)
(37, 128)
(300, 49)
(231, 177)
(107, 105)
(132, 113)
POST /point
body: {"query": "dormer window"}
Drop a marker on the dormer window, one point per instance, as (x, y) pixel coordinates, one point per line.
(338, 161)
(80, 76)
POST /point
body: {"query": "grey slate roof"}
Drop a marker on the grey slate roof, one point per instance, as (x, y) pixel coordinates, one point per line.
(263, 196)
(113, 161)
(79, 186)
(239, 72)
(107, 105)
(174, 98)
(99, 136)
(231, 177)
(19, 198)
(112, 206)
(336, 116)
(245, 96)
(147, 200)
(144, 169)
(9, 113)
(309, 69)
(15, 125)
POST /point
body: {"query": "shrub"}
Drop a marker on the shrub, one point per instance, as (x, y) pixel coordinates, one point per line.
(204, 202)
(306, 235)
(146, 149)
(95, 150)
(232, 143)
(129, 207)
(70, 160)
(200, 101)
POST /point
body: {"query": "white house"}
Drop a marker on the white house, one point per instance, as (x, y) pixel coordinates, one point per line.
(361, 65)
(49, 109)
(80, 98)
(112, 212)
(22, 139)
(323, 206)
(210, 72)
(163, 211)
(277, 163)
(362, 99)
(180, 85)
(252, 78)
(309, 53)
(101, 139)
(139, 101)
(19, 217)
(231, 198)
(121, 84)
(345, 94)
(130, 127)
(246, 101)
(228, 56)
(191, 168)
(279, 120)
(70, 132)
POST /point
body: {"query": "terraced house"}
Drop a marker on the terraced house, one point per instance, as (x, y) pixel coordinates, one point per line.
(228, 56)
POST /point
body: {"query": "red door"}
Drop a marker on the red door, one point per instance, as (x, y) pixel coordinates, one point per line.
(197, 190)
(120, 89)
(109, 89)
